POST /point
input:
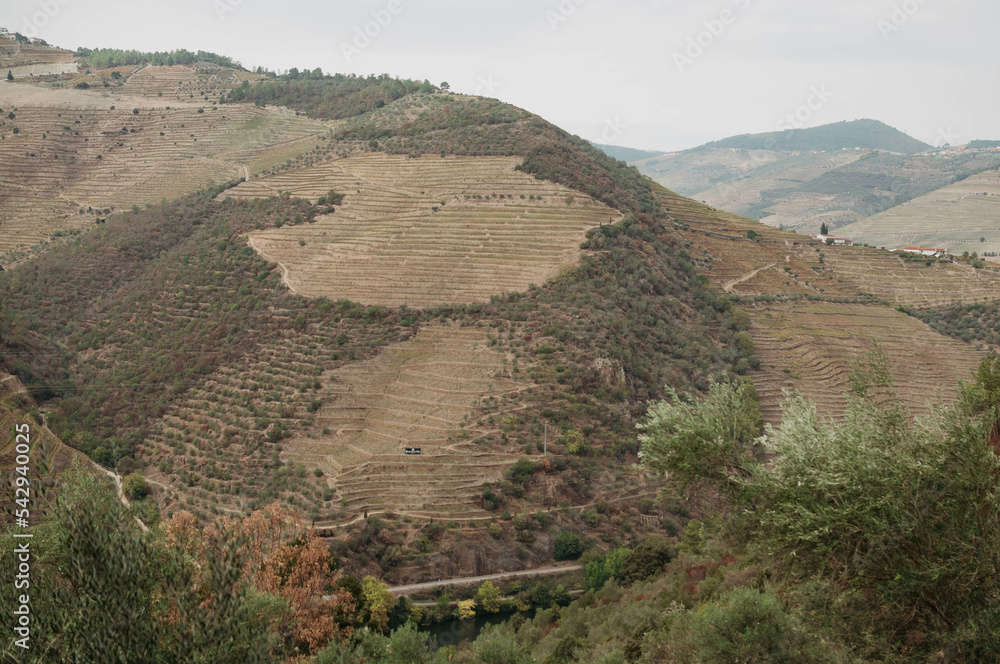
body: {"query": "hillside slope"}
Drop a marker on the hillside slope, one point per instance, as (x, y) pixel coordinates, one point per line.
(426, 231)
(815, 307)
(626, 154)
(516, 341)
(803, 190)
(47, 457)
(164, 340)
(800, 179)
(964, 216)
(68, 156)
(847, 135)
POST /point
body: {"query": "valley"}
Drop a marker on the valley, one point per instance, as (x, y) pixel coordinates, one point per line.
(337, 338)
(850, 176)
(962, 217)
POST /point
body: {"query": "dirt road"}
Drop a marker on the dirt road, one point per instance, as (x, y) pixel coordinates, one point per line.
(412, 588)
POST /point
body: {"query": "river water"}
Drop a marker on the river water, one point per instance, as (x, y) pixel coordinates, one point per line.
(454, 632)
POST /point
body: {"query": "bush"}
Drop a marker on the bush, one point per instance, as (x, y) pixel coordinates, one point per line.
(568, 546)
(703, 440)
(520, 473)
(904, 512)
(575, 442)
(134, 487)
(646, 560)
(496, 646)
(600, 571)
(745, 626)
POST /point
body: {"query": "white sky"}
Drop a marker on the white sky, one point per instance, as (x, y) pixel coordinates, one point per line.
(605, 69)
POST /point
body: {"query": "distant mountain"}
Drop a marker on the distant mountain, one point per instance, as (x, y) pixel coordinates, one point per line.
(625, 154)
(864, 134)
(836, 174)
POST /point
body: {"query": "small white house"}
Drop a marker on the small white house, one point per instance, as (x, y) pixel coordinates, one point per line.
(924, 251)
(839, 241)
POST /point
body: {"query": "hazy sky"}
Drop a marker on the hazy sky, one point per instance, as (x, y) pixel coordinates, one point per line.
(644, 73)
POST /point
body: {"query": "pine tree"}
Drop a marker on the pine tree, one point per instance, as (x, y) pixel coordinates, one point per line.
(823, 230)
(10, 75)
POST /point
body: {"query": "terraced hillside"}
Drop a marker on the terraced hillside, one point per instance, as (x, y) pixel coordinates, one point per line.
(75, 155)
(800, 179)
(955, 217)
(418, 393)
(348, 425)
(182, 83)
(781, 263)
(26, 59)
(807, 344)
(48, 457)
(425, 231)
(808, 347)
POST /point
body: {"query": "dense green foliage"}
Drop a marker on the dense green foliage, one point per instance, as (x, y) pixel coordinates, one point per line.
(968, 322)
(104, 592)
(568, 546)
(329, 97)
(981, 144)
(105, 58)
(900, 517)
(864, 134)
(710, 439)
(134, 487)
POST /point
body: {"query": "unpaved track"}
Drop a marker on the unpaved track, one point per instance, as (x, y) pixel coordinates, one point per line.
(121, 495)
(284, 270)
(728, 287)
(414, 587)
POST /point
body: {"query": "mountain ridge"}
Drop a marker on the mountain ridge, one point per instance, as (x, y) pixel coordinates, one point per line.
(845, 135)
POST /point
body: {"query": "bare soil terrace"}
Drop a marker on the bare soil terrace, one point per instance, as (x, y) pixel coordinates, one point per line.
(416, 394)
(808, 347)
(425, 231)
(76, 154)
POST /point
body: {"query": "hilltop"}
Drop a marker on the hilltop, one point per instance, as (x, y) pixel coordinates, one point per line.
(836, 174)
(626, 154)
(847, 135)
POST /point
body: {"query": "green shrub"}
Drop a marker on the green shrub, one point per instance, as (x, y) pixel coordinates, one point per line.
(134, 487)
(646, 560)
(744, 626)
(703, 440)
(568, 546)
